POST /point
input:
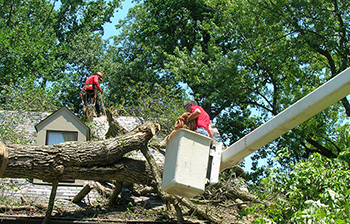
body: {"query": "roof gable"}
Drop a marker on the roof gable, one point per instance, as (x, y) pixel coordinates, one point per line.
(62, 111)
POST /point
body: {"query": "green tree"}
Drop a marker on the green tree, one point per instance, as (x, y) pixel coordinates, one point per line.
(18, 109)
(315, 191)
(27, 40)
(244, 62)
(316, 34)
(43, 39)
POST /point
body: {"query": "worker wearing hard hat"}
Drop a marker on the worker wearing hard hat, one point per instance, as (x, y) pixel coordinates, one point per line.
(90, 89)
(203, 120)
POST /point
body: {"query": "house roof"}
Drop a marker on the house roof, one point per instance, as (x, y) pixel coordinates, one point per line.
(28, 123)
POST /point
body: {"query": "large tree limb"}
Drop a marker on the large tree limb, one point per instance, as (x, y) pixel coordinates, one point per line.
(76, 160)
(125, 170)
(321, 149)
(346, 105)
(51, 203)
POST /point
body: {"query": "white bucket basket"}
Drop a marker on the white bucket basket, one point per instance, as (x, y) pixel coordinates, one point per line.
(186, 161)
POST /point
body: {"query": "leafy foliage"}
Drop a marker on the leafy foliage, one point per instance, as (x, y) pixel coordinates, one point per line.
(57, 45)
(315, 191)
(156, 103)
(243, 61)
(28, 97)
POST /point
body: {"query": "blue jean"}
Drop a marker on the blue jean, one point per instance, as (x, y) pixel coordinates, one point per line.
(202, 131)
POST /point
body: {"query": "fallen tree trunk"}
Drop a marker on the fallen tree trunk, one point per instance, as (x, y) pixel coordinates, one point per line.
(100, 160)
(125, 170)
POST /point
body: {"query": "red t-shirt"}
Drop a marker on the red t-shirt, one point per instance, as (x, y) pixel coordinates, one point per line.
(203, 120)
(91, 82)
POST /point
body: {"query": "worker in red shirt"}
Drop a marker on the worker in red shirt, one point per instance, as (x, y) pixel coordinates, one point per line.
(90, 89)
(203, 120)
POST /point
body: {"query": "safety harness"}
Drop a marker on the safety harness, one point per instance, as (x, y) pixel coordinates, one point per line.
(83, 92)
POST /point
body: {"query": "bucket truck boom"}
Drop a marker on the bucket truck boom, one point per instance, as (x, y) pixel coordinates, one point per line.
(324, 96)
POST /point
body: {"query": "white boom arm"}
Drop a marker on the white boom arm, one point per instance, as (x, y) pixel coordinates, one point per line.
(321, 98)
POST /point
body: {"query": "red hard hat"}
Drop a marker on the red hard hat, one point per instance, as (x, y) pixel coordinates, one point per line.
(99, 74)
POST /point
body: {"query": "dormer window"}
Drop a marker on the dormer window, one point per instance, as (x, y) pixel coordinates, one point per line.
(59, 127)
(57, 137)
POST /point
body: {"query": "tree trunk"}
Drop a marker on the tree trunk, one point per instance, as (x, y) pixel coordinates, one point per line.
(114, 128)
(100, 160)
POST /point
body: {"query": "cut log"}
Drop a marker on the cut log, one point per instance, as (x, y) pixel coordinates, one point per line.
(82, 193)
(116, 192)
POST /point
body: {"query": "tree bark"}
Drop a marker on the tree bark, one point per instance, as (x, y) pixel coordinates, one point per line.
(51, 203)
(118, 188)
(114, 128)
(100, 160)
(83, 193)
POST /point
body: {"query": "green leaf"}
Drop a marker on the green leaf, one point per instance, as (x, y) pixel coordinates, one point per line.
(347, 192)
(321, 213)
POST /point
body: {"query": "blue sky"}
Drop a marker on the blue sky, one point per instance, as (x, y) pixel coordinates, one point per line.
(109, 28)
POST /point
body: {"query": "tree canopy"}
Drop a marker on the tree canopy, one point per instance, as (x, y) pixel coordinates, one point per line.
(52, 43)
(243, 61)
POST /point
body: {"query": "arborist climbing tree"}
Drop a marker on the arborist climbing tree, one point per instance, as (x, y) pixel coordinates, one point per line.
(90, 90)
